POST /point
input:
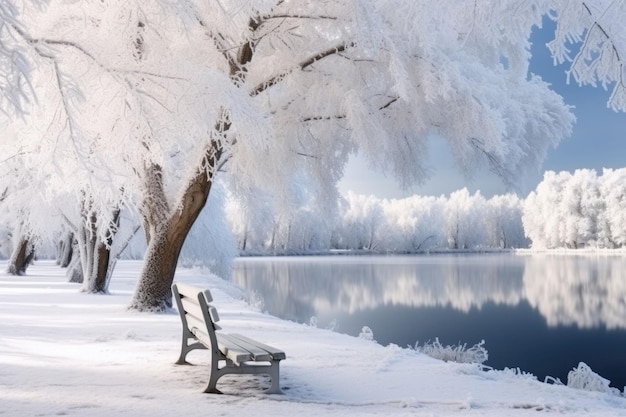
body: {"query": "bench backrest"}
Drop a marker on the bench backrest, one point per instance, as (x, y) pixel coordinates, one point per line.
(197, 315)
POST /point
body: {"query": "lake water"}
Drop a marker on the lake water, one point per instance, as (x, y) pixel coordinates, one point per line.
(540, 313)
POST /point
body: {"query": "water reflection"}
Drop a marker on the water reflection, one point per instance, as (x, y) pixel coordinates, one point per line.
(541, 313)
(587, 292)
(567, 290)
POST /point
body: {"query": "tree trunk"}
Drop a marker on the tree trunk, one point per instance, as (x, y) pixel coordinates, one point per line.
(97, 271)
(153, 292)
(66, 249)
(168, 230)
(75, 271)
(21, 257)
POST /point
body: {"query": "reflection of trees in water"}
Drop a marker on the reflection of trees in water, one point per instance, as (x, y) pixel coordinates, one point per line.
(578, 290)
(566, 290)
(302, 287)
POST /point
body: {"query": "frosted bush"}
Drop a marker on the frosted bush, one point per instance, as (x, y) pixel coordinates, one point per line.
(459, 353)
(584, 378)
(366, 333)
(255, 300)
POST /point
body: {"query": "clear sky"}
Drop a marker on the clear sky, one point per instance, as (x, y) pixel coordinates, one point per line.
(598, 141)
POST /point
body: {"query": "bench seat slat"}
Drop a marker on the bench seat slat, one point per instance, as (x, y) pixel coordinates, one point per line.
(231, 350)
(256, 353)
(277, 354)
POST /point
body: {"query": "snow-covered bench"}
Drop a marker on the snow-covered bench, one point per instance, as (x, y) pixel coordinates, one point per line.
(230, 353)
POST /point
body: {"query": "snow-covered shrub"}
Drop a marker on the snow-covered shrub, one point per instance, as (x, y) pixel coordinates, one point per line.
(366, 333)
(584, 378)
(459, 353)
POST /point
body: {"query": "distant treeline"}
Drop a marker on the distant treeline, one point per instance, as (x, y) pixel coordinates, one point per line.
(565, 210)
(368, 223)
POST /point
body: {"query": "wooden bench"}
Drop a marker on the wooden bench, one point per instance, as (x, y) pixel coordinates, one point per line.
(230, 353)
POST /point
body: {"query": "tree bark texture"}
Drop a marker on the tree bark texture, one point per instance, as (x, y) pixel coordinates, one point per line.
(21, 257)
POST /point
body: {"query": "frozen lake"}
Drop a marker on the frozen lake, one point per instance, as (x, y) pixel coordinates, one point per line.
(541, 313)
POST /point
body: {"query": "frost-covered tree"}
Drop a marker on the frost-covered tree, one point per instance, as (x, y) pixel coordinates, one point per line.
(250, 215)
(414, 224)
(27, 224)
(361, 222)
(153, 98)
(503, 222)
(464, 219)
(542, 218)
(580, 206)
(612, 220)
(577, 210)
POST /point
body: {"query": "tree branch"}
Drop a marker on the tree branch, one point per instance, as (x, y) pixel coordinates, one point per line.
(619, 79)
(343, 116)
(36, 42)
(301, 66)
(599, 26)
(294, 16)
(495, 164)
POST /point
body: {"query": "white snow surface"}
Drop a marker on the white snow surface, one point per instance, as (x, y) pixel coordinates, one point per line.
(67, 353)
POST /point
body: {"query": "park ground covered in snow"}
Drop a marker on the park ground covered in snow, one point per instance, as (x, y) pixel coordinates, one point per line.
(63, 352)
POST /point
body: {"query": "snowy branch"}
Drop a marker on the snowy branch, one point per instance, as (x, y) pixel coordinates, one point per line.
(297, 16)
(599, 59)
(36, 42)
(323, 118)
(344, 116)
(495, 164)
(302, 66)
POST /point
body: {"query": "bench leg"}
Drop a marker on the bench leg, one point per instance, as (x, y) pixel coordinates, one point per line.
(274, 374)
(214, 374)
(186, 348)
(211, 388)
(183, 355)
(272, 371)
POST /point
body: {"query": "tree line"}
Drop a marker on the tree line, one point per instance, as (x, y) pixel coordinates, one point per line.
(461, 221)
(566, 210)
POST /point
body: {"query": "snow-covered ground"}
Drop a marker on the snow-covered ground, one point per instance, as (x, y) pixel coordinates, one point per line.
(67, 353)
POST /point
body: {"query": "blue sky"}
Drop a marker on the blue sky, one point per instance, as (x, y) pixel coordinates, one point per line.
(598, 141)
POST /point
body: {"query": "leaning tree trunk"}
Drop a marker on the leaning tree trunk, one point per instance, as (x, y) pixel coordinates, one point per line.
(167, 230)
(21, 257)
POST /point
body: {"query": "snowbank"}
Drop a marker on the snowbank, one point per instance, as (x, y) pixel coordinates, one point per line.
(67, 353)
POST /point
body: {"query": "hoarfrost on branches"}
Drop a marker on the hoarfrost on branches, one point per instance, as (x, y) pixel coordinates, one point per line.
(576, 210)
(460, 353)
(583, 377)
